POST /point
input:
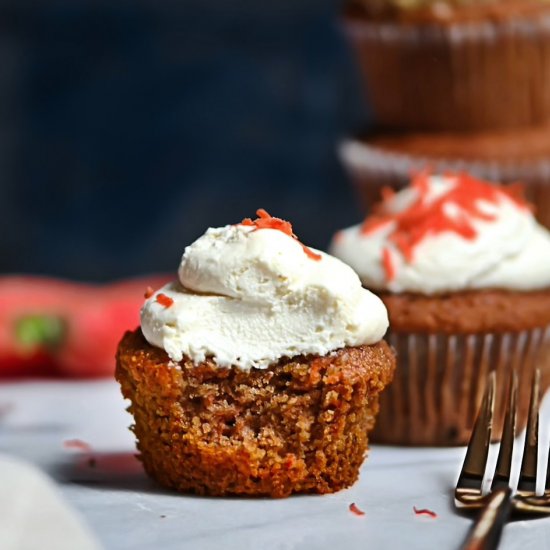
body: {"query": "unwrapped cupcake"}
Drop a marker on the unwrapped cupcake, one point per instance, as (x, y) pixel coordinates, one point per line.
(258, 371)
(464, 270)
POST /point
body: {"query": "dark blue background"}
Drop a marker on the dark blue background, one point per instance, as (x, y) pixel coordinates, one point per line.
(126, 128)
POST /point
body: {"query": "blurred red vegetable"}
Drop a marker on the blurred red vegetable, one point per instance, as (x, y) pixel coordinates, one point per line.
(50, 326)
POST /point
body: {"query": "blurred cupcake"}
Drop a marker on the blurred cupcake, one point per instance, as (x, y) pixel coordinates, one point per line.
(464, 270)
(453, 64)
(258, 371)
(387, 160)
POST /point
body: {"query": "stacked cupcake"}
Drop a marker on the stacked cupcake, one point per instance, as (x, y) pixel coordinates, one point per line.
(455, 85)
(464, 271)
(258, 371)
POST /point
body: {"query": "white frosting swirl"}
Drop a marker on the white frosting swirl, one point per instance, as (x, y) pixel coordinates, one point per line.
(248, 297)
(509, 251)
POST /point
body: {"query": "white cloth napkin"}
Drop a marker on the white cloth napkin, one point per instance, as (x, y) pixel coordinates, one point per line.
(33, 515)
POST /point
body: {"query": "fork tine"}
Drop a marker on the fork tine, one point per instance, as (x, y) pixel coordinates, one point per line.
(504, 461)
(473, 469)
(528, 474)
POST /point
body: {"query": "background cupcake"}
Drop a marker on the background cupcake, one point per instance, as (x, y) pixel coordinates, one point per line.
(258, 372)
(464, 270)
(453, 65)
(387, 160)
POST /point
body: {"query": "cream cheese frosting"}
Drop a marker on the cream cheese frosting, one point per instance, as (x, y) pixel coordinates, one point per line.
(445, 234)
(248, 295)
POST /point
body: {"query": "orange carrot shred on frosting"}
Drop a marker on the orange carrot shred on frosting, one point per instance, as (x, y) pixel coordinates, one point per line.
(387, 192)
(516, 192)
(388, 263)
(373, 224)
(164, 300)
(454, 211)
(266, 221)
(339, 236)
(148, 292)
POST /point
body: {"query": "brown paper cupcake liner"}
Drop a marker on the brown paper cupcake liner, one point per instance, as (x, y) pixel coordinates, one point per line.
(486, 73)
(371, 168)
(440, 380)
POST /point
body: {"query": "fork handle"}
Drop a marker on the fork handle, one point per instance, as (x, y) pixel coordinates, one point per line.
(486, 531)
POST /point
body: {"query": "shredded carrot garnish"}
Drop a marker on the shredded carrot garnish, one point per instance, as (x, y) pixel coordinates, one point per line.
(424, 512)
(78, 445)
(266, 221)
(164, 300)
(373, 224)
(516, 192)
(389, 266)
(355, 510)
(310, 254)
(338, 237)
(148, 292)
(387, 193)
(424, 218)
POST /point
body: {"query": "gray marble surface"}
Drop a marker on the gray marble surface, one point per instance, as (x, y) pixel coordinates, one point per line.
(125, 510)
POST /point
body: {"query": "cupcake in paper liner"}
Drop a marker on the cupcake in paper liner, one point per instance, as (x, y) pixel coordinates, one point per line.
(258, 371)
(453, 64)
(464, 270)
(388, 160)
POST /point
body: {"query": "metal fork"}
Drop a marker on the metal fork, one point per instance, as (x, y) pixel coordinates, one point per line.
(501, 501)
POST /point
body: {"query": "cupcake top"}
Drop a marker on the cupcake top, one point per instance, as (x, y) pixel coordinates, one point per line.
(447, 234)
(251, 293)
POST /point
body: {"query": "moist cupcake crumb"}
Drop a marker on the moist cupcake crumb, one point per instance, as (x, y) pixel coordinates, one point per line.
(299, 426)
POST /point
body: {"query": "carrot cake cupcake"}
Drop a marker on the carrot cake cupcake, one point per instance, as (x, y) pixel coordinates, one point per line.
(453, 65)
(374, 161)
(464, 270)
(258, 371)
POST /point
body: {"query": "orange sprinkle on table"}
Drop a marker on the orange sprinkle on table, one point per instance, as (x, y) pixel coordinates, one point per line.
(78, 445)
(388, 263)
(423, 219)
(266, 221)
(424, 512)
(164, 300)
(355, 510)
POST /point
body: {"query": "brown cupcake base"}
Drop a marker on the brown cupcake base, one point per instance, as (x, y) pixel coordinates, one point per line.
(299, 426)
(469, 312)
(482, 72)
(446, 346)
(436, 394)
